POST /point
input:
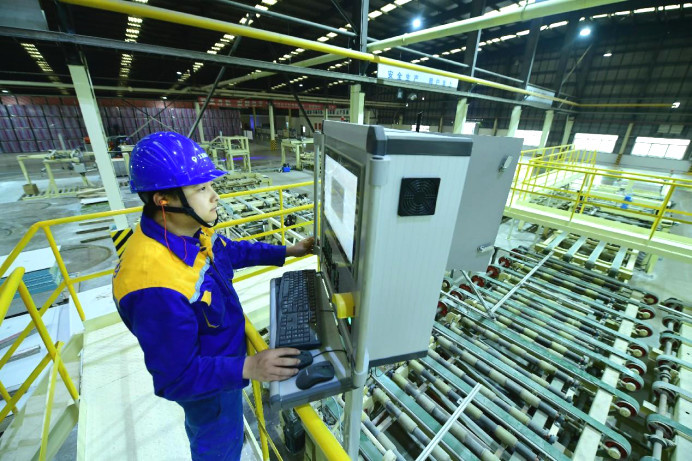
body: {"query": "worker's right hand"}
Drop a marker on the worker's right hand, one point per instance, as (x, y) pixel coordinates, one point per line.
(271, 364)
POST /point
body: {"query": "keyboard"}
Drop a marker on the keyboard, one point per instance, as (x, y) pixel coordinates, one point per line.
(296, 310)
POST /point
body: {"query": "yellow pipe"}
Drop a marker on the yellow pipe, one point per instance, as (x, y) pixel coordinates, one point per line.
(27, 329)
(8, 289)
(267, 189)
(258, 217)
(47, 341)
(7, 397)
(63, 271)
(313, 423)
(661, 211)
(24, 386)
(176, 17)
(18, 248)
(657, 179)
(259, 409)
(49, 403)
(281, 218)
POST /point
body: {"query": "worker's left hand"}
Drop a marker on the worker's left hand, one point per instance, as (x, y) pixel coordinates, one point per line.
(302, 248)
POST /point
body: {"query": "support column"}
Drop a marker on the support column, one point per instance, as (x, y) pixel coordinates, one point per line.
(514, 120)
(439, 128)
(94, 126)
(401, 119)
(367, 116)
(254, 123)
(547, 124)
(272, 133)
(200, 128)
(624, 142)
(357, 105)
(460, 117)
(326, 116)
(568, 130)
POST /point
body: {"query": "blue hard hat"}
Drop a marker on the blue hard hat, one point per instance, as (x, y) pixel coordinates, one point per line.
(165, 160)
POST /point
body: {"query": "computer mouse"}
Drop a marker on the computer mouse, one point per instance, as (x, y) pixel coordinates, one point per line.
(314, 374)
(305, 358)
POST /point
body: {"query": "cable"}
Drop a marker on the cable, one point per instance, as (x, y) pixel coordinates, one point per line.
(330, 350)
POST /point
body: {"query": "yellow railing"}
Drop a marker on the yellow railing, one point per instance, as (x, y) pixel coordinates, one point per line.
(572, 180)
(313, 424)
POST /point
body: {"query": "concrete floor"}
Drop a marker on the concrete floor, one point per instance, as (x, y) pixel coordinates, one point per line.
(670, 278)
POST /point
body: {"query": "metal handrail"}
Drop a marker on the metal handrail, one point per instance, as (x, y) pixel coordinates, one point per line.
(313, 424)
(540, 170)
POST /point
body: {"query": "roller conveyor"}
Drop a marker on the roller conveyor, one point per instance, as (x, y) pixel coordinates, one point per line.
(609, 436)
(541, 322)
(627, 405)
(544, 288)
(571, 318)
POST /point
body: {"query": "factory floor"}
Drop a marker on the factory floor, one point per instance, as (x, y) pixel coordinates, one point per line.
(88, 249)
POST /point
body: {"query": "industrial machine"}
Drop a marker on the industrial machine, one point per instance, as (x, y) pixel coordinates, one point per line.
(389, 206)
(74, 160)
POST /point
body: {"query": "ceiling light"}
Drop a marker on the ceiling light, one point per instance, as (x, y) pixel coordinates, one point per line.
(322, 39)
(416, 23)
(675, 105)
(179, 73)
(5, 91)
(585, 32)
(374, 14)
(388, 8)
(607, 55)
(401, 2)
(164, 97)
(300, 85)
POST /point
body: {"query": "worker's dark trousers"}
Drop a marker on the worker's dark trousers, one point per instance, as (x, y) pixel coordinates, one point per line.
(215, 426)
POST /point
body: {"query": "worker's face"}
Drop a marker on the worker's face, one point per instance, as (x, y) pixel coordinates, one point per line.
(203, 199)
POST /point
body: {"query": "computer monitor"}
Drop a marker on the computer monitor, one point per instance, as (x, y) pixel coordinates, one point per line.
(341, 188)
(341, 192)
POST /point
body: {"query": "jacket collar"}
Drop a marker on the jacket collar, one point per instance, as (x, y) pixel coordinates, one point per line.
(185, 248)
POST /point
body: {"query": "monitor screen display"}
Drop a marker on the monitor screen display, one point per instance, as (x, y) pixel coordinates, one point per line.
(340, 195)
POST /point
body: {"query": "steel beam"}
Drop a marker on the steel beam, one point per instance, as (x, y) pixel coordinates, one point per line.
(94, 126)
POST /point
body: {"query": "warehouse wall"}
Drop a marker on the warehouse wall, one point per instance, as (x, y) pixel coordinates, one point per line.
(33, 124)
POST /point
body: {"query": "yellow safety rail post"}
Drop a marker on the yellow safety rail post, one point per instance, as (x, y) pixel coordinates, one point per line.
(257, 393)
(12, 285)
(281, 207)
(661, 211)
(49, 403)
(312, 422)
(579, 196)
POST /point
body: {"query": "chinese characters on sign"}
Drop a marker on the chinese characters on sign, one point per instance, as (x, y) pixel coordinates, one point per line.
(387, 72)
(263, 104)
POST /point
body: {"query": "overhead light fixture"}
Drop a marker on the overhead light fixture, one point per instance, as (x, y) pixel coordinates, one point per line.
(300, 85)
(675, 105)
(5, 91)
(607, 54)
(164, 97)
(585, 32)
(416, 23)
(179, 73)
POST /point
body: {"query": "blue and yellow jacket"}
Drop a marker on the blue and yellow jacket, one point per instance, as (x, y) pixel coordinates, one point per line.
(177, 298)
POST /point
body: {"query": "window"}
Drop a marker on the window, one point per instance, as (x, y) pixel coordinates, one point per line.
(598, 142)
(660, 147)
(469, 128)
(531, 138)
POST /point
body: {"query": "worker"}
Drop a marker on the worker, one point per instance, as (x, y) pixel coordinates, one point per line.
(173, 291)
